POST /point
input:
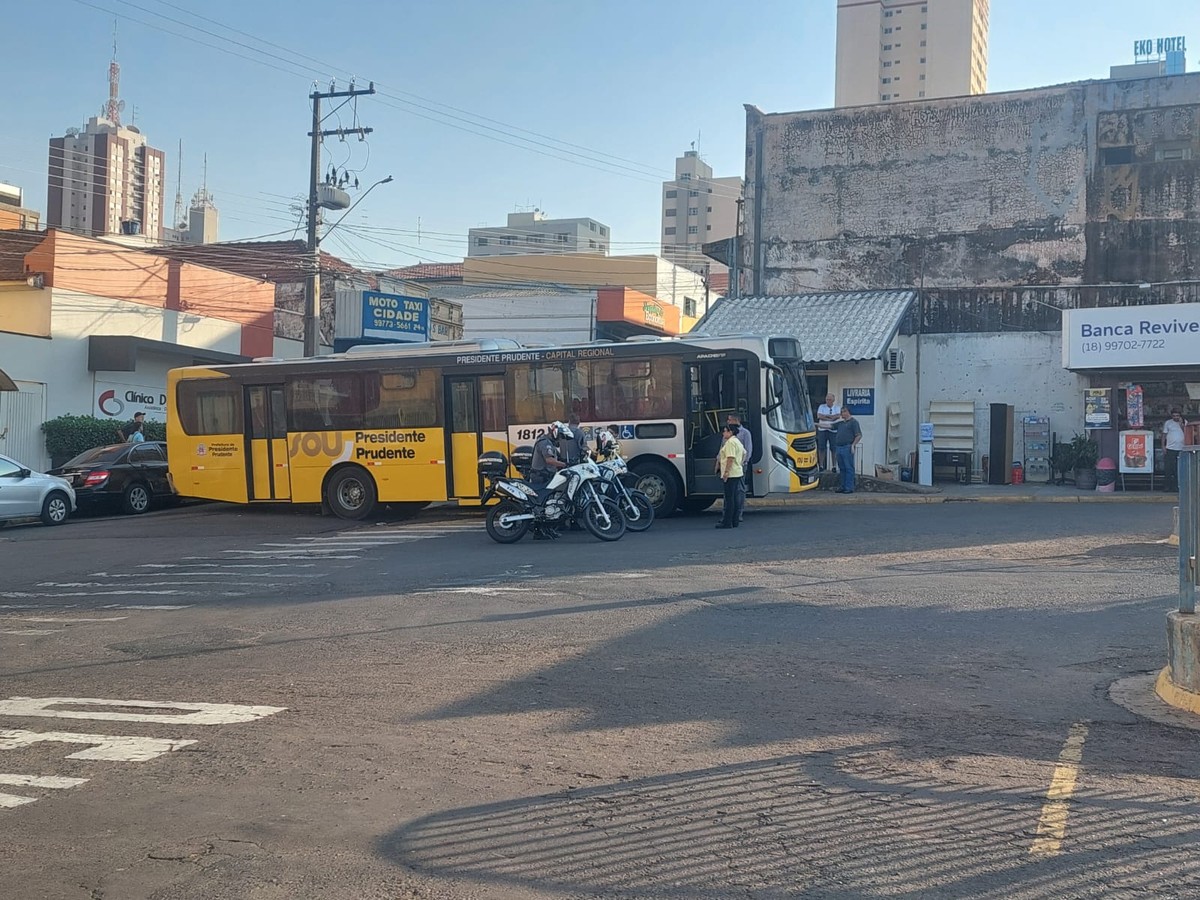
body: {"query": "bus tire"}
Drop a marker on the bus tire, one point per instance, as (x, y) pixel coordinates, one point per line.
(696, 505)
(660, 483)
(350, 492)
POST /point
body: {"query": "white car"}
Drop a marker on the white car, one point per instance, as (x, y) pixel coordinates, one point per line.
(25, 494)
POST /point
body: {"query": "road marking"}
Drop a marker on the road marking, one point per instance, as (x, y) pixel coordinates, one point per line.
(485, 590)
(30, 631)
(195, 713)
(52, 782)
(219, 565)
(1052, 826)
(110, 747)
(57, 620)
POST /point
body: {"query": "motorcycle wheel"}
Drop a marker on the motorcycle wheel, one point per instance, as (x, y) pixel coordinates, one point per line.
(593, 522)
(503, 533)
(642, 507)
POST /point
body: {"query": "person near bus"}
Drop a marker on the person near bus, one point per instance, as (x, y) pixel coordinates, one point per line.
(730, 466)
(139, 419)
(1173, 439)
(828, 414)
(847, 434)
(135, 434)
(574, 448)
(546, 459)
(747, 441)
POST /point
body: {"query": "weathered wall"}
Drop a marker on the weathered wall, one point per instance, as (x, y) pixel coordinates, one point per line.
(1023, 370)
(1003, 189)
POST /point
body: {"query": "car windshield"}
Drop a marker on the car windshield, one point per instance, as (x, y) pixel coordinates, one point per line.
(96, 455)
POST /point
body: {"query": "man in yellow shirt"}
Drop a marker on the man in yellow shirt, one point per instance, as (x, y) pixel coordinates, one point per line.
(731, 467)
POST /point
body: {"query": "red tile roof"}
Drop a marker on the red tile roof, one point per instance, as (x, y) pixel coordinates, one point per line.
(277, 261)
(428, 272)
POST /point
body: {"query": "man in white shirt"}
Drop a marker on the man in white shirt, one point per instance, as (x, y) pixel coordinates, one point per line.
(1172, 443)
(828, 413)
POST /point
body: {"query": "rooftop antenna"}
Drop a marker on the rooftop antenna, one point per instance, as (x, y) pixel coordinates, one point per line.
(112, 109)
(179, 222)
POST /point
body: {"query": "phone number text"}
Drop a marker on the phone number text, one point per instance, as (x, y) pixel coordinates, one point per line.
(1099, 346)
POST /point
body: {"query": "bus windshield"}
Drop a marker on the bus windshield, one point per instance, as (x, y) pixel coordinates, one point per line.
(790, 409)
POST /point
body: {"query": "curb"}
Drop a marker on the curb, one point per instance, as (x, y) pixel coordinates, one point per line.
(1173, 695)
(881, 498)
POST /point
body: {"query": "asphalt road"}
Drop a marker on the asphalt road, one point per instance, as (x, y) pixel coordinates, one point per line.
(866, 701)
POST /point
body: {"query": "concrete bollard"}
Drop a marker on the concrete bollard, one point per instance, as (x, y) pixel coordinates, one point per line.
(1179, 683)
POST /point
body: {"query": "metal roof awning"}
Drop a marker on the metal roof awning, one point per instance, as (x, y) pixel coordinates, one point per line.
(6, 383)
(831, 327)
(119, 353)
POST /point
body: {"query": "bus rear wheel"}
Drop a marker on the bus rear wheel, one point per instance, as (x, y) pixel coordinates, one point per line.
(660, 484)
(350, 493)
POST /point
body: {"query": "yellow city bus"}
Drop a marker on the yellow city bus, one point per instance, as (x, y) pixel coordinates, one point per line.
(406, 424)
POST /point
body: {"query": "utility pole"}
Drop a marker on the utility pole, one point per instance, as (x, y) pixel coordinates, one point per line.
(312, 284)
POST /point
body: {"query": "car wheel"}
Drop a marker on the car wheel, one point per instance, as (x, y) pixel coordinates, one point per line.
(136, 499)
(55, 508)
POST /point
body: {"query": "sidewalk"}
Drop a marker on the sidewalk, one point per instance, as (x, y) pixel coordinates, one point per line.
(871, 490)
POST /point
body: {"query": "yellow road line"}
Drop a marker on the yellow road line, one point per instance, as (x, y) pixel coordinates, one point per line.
(1052, 826)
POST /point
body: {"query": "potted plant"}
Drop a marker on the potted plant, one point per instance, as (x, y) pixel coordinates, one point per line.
(1085, 453)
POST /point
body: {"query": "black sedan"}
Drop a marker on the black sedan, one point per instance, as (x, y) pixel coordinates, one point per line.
(130, 477)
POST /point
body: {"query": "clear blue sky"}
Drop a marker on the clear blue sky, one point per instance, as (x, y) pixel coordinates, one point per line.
(627, 85)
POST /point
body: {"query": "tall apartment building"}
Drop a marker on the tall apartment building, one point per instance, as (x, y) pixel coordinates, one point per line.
(106, 178)
(697, 208)
(13, 214)
(890, 50)
(532, 232)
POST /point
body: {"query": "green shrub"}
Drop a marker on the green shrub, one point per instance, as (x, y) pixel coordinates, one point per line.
(1085, 453)
(68, 436)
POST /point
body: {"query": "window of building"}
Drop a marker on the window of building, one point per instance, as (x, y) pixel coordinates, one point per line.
(693, 210)
(924, 27)
(887, 46)
(922, 78)
(1172, 153)
(888, 14)
(686, 176)
(670, 195)
(1116, 156)
(921, 94)
(670, 229)
(710, 209)
(592, 225)
(899, 27)
(591, 245)
(508, 240)
(899, 11)
(887, 81)
(922, 43)
(689, 306)
(887, 31)
(670, 212)
(693, 229)
(562, 238)
(708, 227)
(887, 65)
(603, 247)
(922, 59)
(885, 96)
(481, 242)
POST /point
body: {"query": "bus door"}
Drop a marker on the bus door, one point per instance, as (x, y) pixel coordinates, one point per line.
(267, 474)
(478, 421)
(715, 389)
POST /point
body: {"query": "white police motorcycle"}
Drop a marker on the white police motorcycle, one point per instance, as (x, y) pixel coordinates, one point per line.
(572, 494)
(638, 510)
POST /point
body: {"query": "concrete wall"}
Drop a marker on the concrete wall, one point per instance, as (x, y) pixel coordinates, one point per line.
(1002, 189)
(1023, 370)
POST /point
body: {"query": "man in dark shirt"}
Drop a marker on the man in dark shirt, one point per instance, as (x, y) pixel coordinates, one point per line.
(846, 436)
(139, 419)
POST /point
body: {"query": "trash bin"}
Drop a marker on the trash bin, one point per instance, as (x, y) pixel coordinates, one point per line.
(1106, 476)
(1018, 473)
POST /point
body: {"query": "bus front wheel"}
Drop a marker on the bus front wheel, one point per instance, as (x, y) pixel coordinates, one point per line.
(660, 484)
(350, 493)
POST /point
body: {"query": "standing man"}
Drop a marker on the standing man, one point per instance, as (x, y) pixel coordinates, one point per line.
(747, 441)
(546, 456)
(828, 414)
(846, 435)
(730, 462)
(1173, 437)
(139, 420)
